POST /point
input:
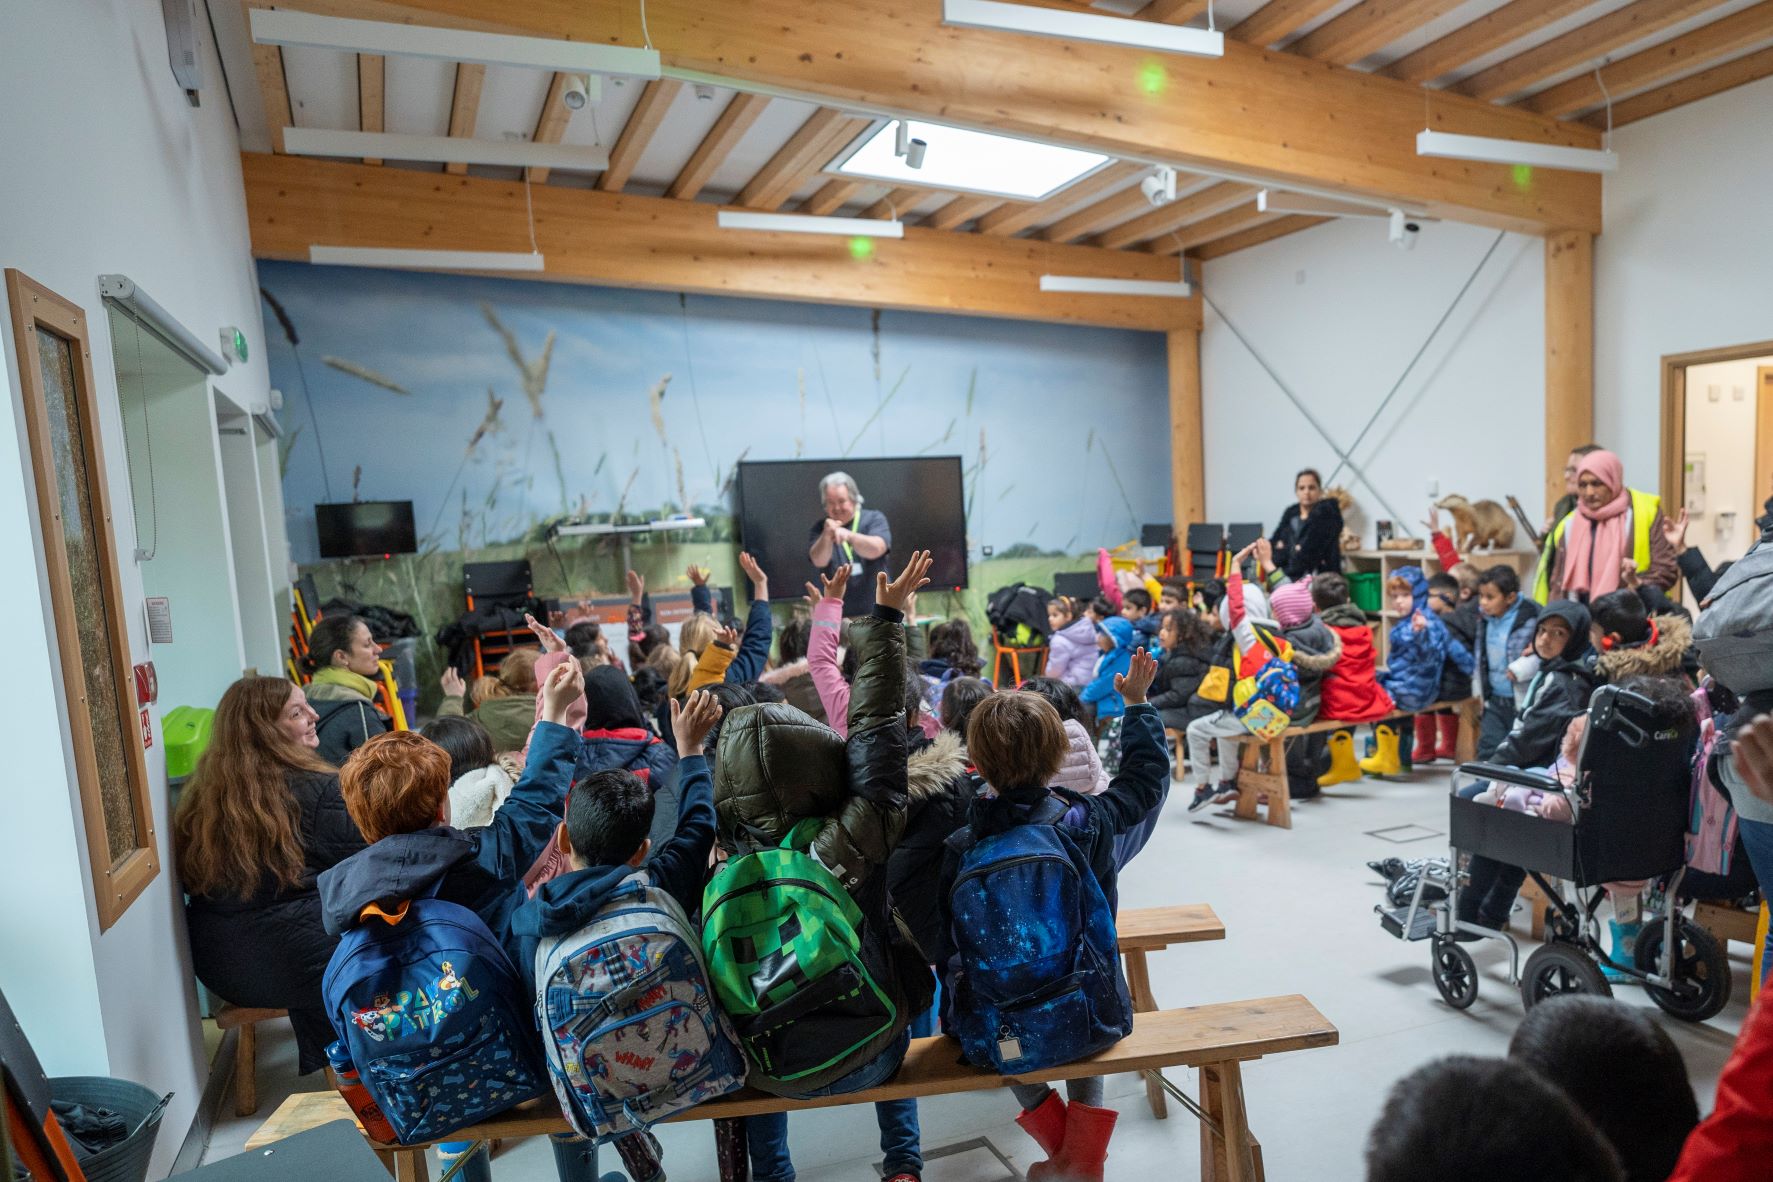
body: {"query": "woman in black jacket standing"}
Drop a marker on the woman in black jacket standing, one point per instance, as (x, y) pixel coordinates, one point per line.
(1308, 540)
(260, 819)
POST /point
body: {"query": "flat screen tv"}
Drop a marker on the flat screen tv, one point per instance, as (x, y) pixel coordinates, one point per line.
(364, 529)
(922, 497)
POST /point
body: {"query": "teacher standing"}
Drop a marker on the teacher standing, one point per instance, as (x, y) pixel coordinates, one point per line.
(1308, 540)
(850, 537)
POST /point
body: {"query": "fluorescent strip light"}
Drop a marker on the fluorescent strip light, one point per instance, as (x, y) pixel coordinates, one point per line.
(958, 160)
(1498, 151)
(426, 260)
(802, 223)
(1095, 285)
(442, 149)
(282, 26)
(1280, 201)
(1082, 26)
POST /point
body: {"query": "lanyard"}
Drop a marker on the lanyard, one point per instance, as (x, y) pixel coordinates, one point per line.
(847, 551)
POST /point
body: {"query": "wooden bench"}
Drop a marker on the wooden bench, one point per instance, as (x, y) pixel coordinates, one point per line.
(1726, 921)
(1148, 929)
(1262, 777)
(246, 1051)
(1217, 1038)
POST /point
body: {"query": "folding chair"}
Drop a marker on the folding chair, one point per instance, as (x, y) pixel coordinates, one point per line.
(1237, 536)
(1206, 549)
(1013, 655)
(506, 584)
(304, 609)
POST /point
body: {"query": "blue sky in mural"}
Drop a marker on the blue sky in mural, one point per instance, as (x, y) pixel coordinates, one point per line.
(410, 386)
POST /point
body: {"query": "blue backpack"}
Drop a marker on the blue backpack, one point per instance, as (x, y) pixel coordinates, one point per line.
(1036, 980)
(434, 1017)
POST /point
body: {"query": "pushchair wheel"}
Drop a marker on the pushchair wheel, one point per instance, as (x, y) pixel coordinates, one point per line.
(1455, 974)
(1700, 971)
(1556, 969)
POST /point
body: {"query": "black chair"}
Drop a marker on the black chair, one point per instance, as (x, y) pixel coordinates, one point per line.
(1206, 546)
(1080, 585)
(498, 584)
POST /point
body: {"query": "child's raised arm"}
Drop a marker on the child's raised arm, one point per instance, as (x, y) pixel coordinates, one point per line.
(1144, 759)
(681, 865)
(821, 650)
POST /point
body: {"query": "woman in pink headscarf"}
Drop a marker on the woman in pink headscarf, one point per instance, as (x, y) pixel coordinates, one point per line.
(1587, 552)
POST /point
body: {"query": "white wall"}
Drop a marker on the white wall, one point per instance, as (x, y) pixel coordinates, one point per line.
(1338, 313)
(107, 169)
(1683, 263)
(1721, 428)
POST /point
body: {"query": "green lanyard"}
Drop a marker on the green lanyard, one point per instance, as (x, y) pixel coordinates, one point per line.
(847, 551)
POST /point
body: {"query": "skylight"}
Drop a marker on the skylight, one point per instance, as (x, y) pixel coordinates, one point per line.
(970, 161)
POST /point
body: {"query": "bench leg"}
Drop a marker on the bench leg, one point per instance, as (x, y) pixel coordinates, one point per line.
(1253, 781)
(1139, 985)
(246, 1080)
(1280, 800)
(1233, 1157)
(1470, 719)
(409, 1165)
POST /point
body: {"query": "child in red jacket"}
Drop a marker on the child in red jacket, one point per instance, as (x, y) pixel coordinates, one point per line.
(1351, 689)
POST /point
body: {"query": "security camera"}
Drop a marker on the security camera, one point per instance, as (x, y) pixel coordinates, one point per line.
(1404, 230)
(704, 92)
(914, 150)
(1160, 187)
(576, 93)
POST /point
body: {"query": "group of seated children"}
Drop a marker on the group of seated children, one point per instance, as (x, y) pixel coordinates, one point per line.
(823, 838)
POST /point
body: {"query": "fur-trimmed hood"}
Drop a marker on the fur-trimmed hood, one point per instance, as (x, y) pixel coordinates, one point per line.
(929, 772)
(783, 673)
(1317, 662)
(1660, 658)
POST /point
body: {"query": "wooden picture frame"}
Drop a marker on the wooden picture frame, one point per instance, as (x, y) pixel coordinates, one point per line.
(119, 875)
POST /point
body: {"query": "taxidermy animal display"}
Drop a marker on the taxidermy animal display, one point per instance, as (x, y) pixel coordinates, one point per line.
(1478, 524)
(1351, 539)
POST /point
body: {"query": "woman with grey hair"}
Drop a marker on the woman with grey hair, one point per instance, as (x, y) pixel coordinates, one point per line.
(850, 537)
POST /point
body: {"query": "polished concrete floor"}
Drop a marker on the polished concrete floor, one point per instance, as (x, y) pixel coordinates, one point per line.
(1298, 907)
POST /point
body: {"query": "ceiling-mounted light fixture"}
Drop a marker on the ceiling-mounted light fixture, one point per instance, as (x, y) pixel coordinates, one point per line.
(1082, 26)
(803, 223)
(907, 148)
(283, 26)
(1095, 285)
(1160, 187)
(575, 94)
(963, 160)
(1491, 150)
(426, 260)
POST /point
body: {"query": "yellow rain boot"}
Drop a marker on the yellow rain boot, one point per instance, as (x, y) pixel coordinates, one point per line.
(1343, 768)
(1385, 760)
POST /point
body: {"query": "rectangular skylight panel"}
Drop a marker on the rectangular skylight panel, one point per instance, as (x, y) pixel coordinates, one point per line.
(971, 162)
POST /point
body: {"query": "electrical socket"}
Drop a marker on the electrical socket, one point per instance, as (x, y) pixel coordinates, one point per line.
(1434, 488)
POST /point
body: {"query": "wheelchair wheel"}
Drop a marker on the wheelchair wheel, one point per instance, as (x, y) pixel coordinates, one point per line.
(1557, 969)
(1455, 974)
(1700, 969)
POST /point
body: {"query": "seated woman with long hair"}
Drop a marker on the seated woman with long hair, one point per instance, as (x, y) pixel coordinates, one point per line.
(259, 820)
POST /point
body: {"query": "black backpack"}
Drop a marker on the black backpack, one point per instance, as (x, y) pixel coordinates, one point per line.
(1019, 604)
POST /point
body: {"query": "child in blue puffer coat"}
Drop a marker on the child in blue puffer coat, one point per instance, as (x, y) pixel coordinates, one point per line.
(1117, 640)
(1421, 646)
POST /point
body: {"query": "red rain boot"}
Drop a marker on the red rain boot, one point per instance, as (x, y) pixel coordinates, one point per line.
(1081, 1158)
(1447, 745)
(1045, 1122)
(1423, 750)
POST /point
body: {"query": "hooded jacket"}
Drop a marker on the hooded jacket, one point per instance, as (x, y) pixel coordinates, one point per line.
(1081, 769)
(1319, 545)
(1465, 624)
(1176, 682)
(678, 867)
(477, 795)
(1350, 690)
(1316, 649)
(1071, 653)
(1518, 641)
(1663, 656)
(939, 786)
(506, 719)
(1100, 692)
(347, 720)
(1413, 668)
(795, 680)
(481, 869)
(1557, 693)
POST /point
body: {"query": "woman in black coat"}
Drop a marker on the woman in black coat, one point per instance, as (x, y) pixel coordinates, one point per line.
(260, 819)
(1308, 539)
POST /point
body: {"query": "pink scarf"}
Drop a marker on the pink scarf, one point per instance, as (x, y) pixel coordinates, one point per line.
(1595, 541)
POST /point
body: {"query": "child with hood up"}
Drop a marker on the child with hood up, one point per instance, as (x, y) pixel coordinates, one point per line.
(1116, 640)
(1244, 613)
(1421, 646)
(1071, 653)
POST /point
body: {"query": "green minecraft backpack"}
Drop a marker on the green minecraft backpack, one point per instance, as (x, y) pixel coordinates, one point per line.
(784, 944)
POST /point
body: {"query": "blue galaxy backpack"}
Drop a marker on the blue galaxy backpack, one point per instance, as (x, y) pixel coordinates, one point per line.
(434, 1016)
(1036, 978)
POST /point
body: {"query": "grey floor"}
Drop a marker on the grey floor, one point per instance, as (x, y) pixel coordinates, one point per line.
(1298, 907)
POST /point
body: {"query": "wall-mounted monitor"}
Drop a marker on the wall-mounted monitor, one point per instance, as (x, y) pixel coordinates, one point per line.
(365, 529)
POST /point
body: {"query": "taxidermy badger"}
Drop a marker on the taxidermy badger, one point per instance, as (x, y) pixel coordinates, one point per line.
(1483, 523)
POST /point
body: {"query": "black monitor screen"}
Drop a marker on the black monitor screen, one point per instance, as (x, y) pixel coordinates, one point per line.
(365, 528)
(922, 497)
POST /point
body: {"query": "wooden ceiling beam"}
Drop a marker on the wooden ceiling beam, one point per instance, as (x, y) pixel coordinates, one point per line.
(1255, 236)
(807, 151)
(1748, 68)
(740, 114)
(649, 113)
(1173, 12)
(1367, 28)
(831, 197)
(551, 123)
(1724, 37)
(1278, 19)
(1272, 118)
(1220, 225)
(464, 107)
(964, 208)
(1013, 219)
(1096, 217)
(656, 243)
(1169, 218)
(1578, 47)
(372, 94)
(1485, 35)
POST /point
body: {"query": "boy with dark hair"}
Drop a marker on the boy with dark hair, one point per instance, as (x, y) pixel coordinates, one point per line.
(1437, 735)
(1135, 605)
(1100, 609)
(1464, 1119)
(1172, 596)
(1621, 1069)
(1630, 642)
(1506, 631)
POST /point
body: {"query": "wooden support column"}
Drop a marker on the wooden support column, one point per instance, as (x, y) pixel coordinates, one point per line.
(1569, 351)
(1188, 479)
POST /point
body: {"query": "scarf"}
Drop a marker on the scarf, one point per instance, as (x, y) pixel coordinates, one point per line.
(1595, 541)
(339, 675)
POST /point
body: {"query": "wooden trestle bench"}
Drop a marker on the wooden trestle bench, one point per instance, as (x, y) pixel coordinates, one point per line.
(1218, 1039)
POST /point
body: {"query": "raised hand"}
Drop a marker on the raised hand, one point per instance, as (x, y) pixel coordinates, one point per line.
(1675, 532)
(692, 719)
(837, 584)
(551, 643)
(760, 582)
(1628, 574)
(452, 683)
(636, 585)
(565, 685)
(698, 574)
(1265, 553)
(897, 594)
(813, 595)
(1133, 684)
(727, 637)
(1433, 520)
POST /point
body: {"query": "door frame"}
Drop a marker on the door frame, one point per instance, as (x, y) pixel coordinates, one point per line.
(1673, 476)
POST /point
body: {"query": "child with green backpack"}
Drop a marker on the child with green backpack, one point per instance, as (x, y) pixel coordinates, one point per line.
(803, 950)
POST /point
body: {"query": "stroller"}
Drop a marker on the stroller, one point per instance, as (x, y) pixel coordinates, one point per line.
(1629, 809)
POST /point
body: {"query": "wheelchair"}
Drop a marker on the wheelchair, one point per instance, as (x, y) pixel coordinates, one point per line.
(1629, 806)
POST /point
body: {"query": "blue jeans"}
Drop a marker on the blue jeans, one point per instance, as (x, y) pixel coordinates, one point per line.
(900, 1139)
(1757, 841)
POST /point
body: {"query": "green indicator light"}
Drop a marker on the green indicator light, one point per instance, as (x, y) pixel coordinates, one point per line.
(1153, 78)
(1523, 176)
(861, 247)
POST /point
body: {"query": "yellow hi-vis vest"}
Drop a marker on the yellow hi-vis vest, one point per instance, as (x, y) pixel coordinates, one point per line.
(1644, 507)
